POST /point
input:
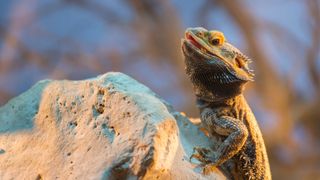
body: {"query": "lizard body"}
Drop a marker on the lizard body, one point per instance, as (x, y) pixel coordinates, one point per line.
(219, 72)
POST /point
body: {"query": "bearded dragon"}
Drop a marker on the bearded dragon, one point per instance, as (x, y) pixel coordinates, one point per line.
(219, 72)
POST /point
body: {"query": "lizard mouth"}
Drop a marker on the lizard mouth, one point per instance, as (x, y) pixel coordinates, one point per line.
(192, 40)
(200, 47)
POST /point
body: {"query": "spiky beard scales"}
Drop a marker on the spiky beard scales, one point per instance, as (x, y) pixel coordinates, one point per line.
(212, 80)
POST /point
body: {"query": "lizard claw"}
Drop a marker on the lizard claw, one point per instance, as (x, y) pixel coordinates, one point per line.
(203, 155)
(206, 158)
(208, 168)
(194, 156)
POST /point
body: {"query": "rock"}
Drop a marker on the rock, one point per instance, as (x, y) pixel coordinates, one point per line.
(109, 127)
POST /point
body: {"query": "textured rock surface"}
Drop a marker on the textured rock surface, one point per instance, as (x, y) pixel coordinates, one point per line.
(109, 127)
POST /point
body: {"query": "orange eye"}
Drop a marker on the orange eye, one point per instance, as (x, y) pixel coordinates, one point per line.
(215, 41)
(216, 38)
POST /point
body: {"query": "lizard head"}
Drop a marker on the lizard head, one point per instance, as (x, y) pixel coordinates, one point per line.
(216, 68)
(212, 48)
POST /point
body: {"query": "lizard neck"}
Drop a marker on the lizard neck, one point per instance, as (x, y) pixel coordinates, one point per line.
(215, 92)
(226, 102)
(211, 82)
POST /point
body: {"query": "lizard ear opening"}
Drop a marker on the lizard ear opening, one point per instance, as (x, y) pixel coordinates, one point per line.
(239, 63)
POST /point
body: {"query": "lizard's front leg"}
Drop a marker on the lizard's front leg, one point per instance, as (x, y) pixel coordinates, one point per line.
(236, 134)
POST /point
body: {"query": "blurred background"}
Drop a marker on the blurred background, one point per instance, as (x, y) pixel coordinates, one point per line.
(78, 39)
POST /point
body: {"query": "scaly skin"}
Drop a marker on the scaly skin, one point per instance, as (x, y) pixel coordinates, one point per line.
(219, 73)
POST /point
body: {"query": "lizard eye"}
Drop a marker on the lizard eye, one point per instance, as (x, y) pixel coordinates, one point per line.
(215, 41)
(216, 38)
